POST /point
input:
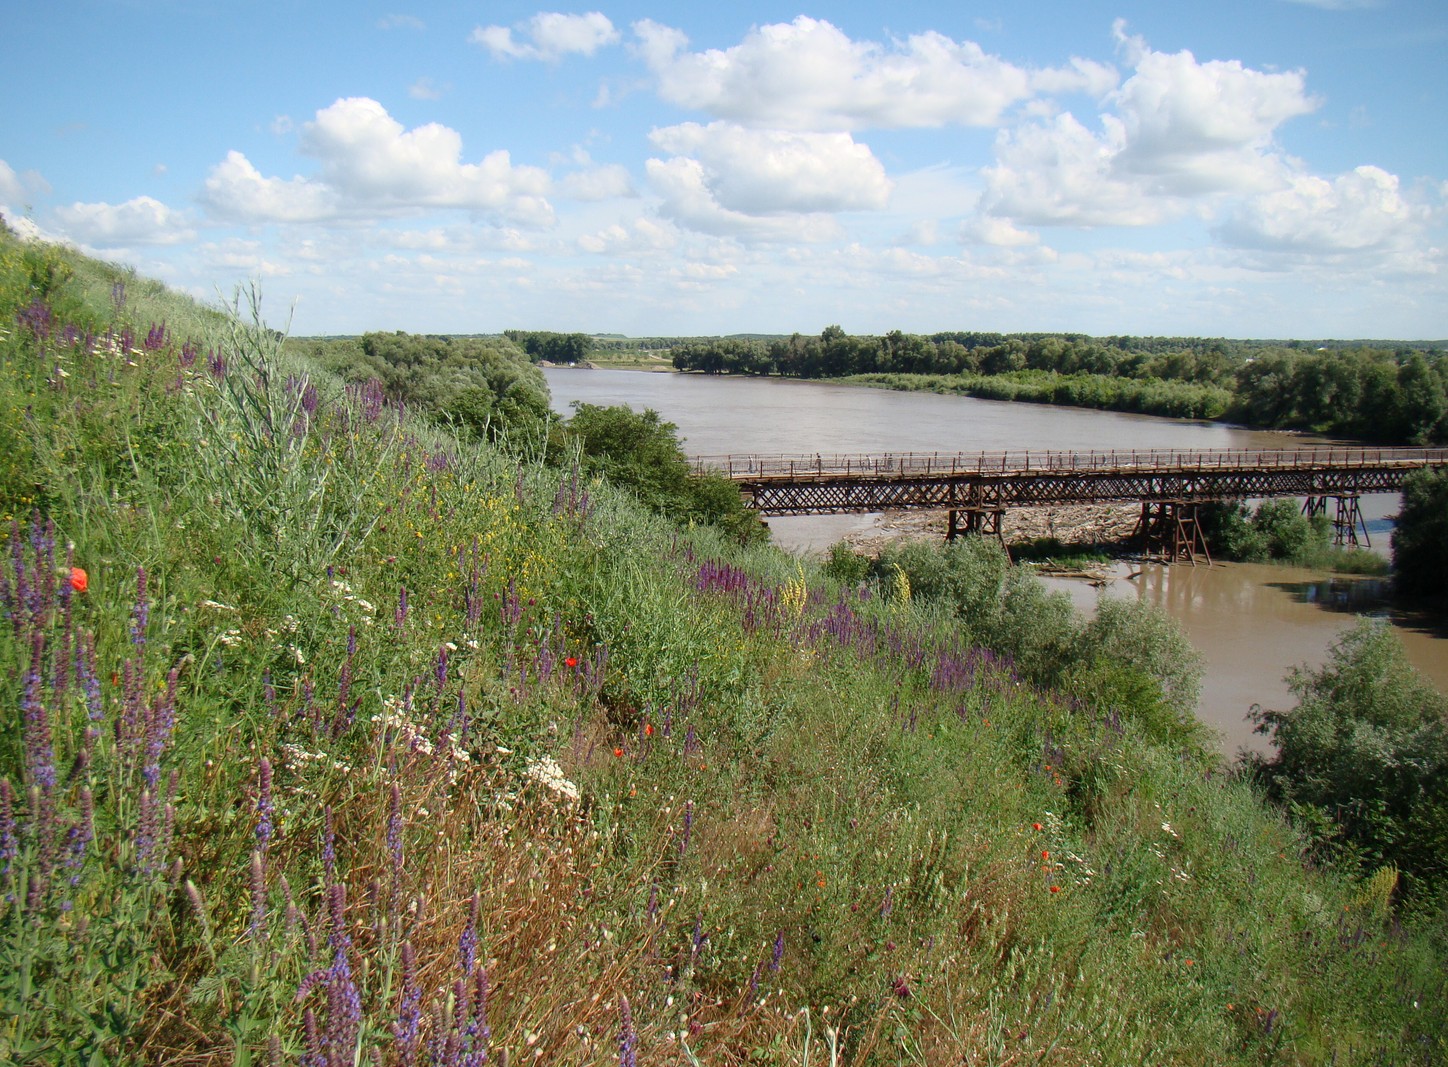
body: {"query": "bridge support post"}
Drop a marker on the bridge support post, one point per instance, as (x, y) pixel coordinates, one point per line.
(981, 521)
(1349, 519)
(1170, 529)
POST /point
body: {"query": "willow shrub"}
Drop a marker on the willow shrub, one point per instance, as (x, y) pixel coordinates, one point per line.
(1363, 757)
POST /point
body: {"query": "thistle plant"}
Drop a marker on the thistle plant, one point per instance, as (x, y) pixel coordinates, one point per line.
(282, 465)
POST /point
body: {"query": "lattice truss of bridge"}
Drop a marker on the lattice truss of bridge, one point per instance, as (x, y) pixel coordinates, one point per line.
(977, 489)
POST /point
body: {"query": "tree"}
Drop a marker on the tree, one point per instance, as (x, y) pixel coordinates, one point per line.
(1420, 401)
(1420, 536)
(1362, 759)
(641, 452)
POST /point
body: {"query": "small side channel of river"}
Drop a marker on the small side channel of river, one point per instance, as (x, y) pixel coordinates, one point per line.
(1252, 624)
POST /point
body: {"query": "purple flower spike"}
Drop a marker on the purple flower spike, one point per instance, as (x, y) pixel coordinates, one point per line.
(142, 613)
(264, 806)
(406, 1030)
(39, 747)
(628, 1038)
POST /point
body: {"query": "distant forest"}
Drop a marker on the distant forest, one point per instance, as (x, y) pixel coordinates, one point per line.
(1388, 392)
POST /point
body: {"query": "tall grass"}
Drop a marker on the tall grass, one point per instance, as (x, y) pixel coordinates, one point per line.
(354, 745)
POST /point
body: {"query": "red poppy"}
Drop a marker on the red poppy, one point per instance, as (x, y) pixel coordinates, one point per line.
(571, 661)
(1055, 889)
(1035, 826)
(648, 729)
(79, 580)
(618, 752)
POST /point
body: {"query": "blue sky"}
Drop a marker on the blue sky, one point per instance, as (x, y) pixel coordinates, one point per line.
(1243, 168)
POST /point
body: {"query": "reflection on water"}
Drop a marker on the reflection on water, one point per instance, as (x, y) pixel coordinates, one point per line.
(1252, 623)
(1356, 596)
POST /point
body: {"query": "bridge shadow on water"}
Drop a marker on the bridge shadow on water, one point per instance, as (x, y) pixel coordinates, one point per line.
(1365, 596)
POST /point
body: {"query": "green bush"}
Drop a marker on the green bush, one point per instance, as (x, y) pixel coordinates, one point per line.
(1133, 633)
(1363, 757)
(1420, 537)
(845, 565)
(1277, 530)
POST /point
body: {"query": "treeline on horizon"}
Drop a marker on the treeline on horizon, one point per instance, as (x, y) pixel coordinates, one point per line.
(1390, 392)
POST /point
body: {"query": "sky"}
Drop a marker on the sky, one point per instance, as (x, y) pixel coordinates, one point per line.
(1239, 168)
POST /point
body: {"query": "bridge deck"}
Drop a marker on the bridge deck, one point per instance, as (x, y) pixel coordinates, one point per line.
(753, 467)
(994, 481)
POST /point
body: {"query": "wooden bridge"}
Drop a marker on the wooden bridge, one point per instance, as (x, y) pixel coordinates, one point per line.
(977, 488)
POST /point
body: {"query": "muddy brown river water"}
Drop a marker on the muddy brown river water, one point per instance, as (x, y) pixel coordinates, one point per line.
(1251, 623)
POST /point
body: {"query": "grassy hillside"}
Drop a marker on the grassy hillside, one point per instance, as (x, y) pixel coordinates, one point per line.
(332, 740)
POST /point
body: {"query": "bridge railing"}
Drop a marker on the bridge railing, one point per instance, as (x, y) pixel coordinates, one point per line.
(747, 466)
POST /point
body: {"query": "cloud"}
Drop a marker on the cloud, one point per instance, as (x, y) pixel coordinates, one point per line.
(371, 165)
(1361, 211)
(683, 187)
(607, 182)
(141, 221)
(400, 22)
(808, 75)
(549, 36)
(998, 232)
(423, 89)
(639, 237)
(368, 156)
(1060, 173)
(235, 189)
(769, 172)
(10, 187)
(1180, 131)
(17, 188)
(1196, 127)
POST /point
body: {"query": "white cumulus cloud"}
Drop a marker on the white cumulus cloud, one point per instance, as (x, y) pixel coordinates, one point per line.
(548, 36)
(368, 156)
(606, 182)
(809, 75)
(235, 189)
(142, 220)
(639, 236)
(16, 188)
(1360, 211)
(10, 188)
(1199, 127)
(1178, 131)
(682, 185)
(766, 172)
(371, 165)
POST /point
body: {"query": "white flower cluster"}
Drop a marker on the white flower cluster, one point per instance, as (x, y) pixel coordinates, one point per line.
(413, 736)
(546, 772)
(110, 345)
(297, 757)
(367, 608)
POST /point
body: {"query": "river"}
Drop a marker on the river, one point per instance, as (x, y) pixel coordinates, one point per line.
(1251, 623)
